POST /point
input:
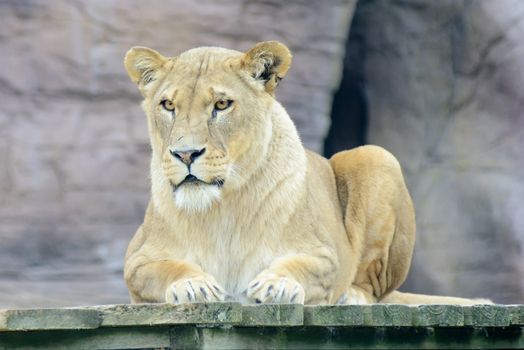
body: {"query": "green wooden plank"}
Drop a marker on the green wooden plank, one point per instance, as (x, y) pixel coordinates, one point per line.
(335, 315)
(167, 314)
(389, 315)
(186, 337)
(102, 338)
(272, 315)
(46, 319)
(315, 337)
(231, 326)
(438, 315)
(517, 314)
(486, 316)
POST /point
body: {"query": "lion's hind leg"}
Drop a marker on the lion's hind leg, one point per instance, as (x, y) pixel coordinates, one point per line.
(378, 216)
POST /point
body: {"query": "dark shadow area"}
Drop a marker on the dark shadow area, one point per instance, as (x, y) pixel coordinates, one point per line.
(349, 114)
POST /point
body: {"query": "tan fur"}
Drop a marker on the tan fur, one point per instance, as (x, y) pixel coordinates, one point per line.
(271, 222)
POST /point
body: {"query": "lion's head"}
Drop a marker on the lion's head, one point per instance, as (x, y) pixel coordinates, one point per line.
(207, 113)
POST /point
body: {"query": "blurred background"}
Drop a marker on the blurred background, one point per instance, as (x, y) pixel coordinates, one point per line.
(438, 83)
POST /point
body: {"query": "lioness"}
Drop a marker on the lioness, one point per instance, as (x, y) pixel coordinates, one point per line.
(240, 210)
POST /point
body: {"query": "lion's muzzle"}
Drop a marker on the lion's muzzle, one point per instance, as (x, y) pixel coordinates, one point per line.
(189, 156)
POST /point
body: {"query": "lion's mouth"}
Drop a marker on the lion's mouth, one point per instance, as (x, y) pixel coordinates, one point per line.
(192, 180)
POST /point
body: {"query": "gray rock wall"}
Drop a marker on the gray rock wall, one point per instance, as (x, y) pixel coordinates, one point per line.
(444, 82)
(74, 151)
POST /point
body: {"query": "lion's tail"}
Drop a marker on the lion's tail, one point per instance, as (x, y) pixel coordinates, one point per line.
(397, 297)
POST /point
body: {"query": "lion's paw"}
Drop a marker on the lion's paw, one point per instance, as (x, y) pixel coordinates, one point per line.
(193, 290)
(269, 288)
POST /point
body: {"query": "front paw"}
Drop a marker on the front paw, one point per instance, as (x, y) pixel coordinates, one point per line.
(270, 288)
(194, 290)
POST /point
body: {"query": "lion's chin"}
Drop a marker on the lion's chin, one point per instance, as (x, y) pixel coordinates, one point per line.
(196, 197)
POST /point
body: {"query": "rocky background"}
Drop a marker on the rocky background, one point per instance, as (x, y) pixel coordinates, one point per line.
(74, 150)
(441, 85)
(438, 83)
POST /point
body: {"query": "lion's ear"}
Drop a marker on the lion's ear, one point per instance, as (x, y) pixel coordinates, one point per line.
(268, 62)
(144, 65)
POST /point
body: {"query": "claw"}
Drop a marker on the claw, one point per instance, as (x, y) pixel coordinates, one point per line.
(204, 293)
(269, 289)
(280, 296)
(174, 294)
(274, 289)
(194, 290)
(293, 298)
(190, 292)
(343, 299)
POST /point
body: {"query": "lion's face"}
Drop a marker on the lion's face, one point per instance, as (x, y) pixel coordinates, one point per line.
(208, 116)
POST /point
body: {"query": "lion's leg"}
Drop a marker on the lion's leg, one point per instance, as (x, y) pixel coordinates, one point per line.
(296, 278)
(171, 281)
(166, 280)
(378, 213)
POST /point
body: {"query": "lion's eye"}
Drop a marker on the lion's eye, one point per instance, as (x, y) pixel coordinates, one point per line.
(223, 104)
(168, 105)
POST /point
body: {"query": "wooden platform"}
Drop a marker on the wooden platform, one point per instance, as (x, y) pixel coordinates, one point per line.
(236, 326)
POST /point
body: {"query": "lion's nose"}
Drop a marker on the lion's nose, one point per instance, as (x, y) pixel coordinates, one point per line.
(187, 157)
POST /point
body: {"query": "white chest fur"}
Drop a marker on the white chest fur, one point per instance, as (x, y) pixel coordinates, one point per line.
(223, 249)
